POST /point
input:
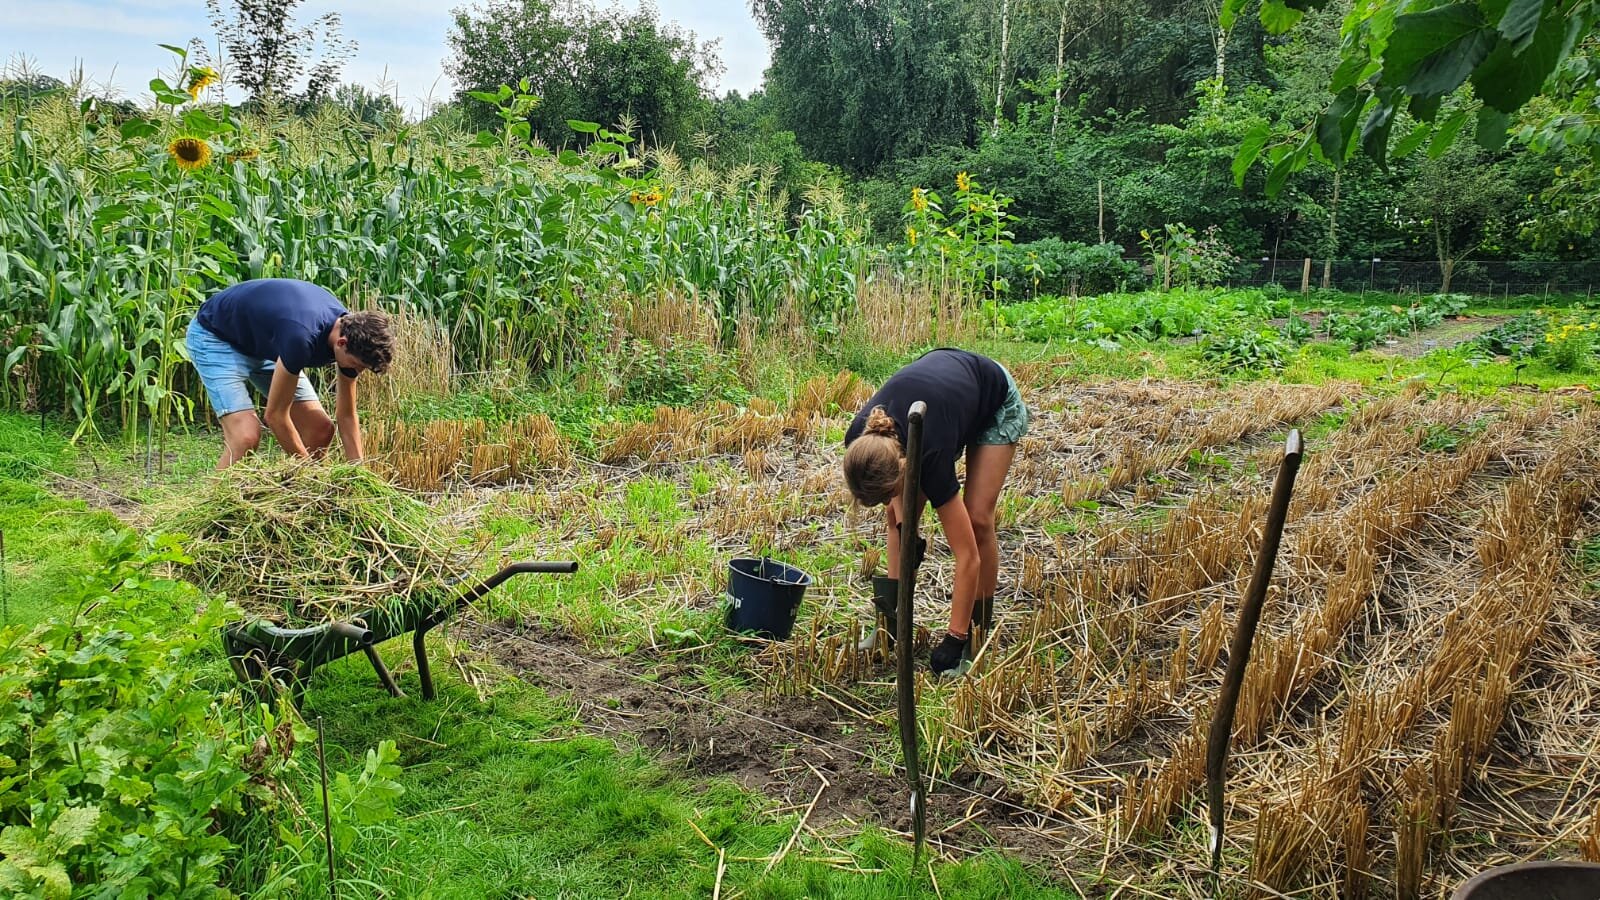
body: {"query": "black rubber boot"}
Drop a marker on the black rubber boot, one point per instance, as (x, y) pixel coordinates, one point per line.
(886, 595)
(982, 619)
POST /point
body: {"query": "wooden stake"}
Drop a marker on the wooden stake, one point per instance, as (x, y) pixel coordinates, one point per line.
(905, 677)
(1239, 652)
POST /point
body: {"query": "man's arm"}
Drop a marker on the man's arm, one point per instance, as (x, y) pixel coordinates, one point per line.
(349, 423)
(280, 397)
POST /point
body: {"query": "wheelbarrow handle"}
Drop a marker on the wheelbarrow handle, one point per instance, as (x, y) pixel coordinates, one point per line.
(516, 568)
(351, 632)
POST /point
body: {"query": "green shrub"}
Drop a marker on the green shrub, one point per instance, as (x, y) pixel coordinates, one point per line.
(1570, 346)
(671, 374)
(1150, 315)
(1366, 327)
(1054, 266)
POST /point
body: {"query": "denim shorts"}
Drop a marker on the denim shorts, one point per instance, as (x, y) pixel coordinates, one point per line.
(225, 371)
(1011, 422)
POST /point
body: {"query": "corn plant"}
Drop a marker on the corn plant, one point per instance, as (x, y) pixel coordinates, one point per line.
(113, 232)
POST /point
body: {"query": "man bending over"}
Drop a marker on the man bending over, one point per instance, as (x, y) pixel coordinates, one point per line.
(267, 332)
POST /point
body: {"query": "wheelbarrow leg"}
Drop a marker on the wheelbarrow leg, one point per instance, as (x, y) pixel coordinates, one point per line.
(383, 672)
(419, 643)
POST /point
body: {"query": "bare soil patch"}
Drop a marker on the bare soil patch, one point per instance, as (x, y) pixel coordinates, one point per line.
(783, 748)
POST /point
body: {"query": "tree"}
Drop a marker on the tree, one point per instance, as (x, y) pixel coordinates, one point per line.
(268, 53)
(864, 83)
(594, 66)
(367, 107)
(1461, 200)
(27, 87)
(1398, 55)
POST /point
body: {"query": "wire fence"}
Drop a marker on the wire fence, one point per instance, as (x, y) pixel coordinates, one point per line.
(1500, 278)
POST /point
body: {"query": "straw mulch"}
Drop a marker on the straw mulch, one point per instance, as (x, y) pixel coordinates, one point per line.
(301, 543)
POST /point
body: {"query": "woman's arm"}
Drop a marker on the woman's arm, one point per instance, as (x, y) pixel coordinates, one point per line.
(964, 546)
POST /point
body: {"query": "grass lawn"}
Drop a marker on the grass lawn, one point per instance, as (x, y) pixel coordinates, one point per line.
(506, 793)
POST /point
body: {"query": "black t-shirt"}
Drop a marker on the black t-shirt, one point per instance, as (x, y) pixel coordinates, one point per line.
(275, 318)
(963, 392)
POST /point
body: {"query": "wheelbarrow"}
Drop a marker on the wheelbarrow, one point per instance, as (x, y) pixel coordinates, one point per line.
(261, 652)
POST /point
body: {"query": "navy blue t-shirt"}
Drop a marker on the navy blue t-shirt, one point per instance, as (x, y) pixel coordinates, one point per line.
(963, 391)
(273, 319)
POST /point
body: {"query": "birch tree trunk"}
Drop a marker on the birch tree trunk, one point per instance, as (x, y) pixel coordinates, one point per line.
(1061, 58)
(1005, 47)
(1332, 247)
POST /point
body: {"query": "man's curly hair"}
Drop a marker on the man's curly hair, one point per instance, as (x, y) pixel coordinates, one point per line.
(369, 338)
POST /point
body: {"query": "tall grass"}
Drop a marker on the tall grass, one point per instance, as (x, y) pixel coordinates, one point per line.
(524, 257)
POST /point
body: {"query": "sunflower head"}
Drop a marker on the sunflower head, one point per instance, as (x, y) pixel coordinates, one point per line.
(243, 153)
(190, 153)
(200, 78)
(963, 182)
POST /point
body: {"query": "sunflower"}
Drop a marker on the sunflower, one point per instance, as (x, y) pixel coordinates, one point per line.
(963, 183)
(243, 153)
(190, 153)
(918, 201)
(199, 79)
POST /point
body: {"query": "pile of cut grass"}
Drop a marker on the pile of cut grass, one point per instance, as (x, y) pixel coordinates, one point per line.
(304, 543)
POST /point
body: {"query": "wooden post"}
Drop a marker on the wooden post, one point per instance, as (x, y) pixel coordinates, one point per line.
(905, 677)
(1305, 277)
(1244, 635)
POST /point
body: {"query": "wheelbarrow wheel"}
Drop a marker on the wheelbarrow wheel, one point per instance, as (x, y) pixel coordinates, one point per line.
(271, 675)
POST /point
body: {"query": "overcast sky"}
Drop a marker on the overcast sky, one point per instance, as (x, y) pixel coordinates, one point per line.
(403, 40)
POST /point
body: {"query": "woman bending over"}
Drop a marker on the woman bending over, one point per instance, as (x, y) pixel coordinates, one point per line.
(973, 408)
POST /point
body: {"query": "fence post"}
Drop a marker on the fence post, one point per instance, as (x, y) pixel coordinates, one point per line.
(1305, 277)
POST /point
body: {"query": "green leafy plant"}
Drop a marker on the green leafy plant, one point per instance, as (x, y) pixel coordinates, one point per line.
(1245, 350)
(1517, 338)
(120, 767)
(963, 245)
(1296, 330)
(1570, 346)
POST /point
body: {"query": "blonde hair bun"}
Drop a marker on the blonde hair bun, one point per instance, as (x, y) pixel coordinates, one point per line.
(878, 422)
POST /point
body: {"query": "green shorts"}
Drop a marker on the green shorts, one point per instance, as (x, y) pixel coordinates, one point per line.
(1011, 422)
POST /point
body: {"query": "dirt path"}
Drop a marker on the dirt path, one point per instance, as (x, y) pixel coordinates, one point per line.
(1444, 335)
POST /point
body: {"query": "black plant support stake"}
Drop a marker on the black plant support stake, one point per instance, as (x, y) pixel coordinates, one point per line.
(327, 817)
(905, 678)
(1243, 636)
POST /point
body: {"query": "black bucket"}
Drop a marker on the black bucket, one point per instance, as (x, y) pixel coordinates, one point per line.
(764, 597)
(1543, 880)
